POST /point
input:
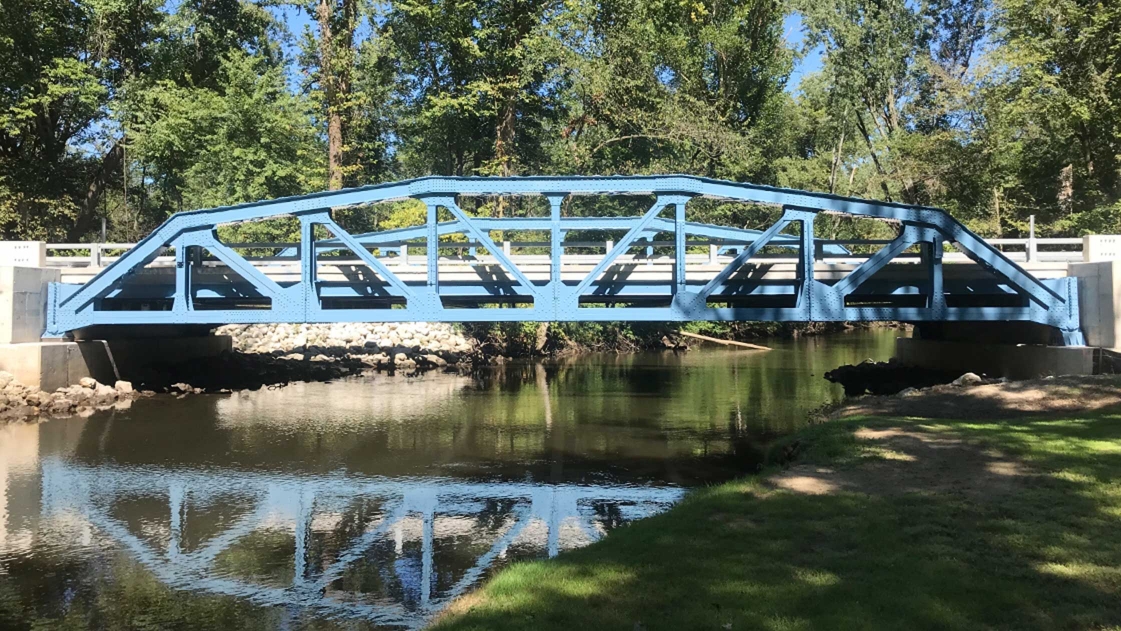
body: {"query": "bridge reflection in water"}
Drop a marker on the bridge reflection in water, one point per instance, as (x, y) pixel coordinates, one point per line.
(391, 551)
(373, 501)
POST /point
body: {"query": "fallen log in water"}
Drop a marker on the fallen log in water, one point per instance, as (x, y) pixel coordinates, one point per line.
(714, 340)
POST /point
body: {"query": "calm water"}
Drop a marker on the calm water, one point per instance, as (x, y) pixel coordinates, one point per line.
(372, 502)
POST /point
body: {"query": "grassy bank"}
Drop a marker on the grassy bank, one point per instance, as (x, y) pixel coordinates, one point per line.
(1003, 512)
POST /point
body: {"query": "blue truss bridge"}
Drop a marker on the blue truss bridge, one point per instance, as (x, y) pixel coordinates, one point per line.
(651, 267)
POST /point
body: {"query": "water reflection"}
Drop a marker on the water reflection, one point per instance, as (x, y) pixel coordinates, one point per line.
(338, 544)
(371, 503)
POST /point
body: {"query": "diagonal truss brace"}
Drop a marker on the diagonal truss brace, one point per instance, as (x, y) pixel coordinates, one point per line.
(624, 244)
(209, 240)
(361, 252)
(483, 238)
(750, 251)
(850, 283)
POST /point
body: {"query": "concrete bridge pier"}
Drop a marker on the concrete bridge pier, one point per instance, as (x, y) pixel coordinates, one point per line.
(52, 364)
(1024, 350)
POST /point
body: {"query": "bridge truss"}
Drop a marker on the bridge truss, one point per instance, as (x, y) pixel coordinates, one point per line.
(612, 288)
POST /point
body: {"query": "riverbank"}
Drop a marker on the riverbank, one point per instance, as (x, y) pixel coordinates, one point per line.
(21, 402)
(995, 506)
(535, 339)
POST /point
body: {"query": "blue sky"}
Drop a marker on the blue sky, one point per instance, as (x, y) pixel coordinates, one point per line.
(811, 62)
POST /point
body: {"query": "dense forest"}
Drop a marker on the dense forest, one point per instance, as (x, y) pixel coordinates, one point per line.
(130, 110)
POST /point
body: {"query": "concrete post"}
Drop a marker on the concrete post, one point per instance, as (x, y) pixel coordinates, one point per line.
(1101, 247)
(1031, 249)
(23, 253)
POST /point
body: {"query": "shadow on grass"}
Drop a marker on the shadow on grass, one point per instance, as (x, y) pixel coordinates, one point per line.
(1042, 551)
(1014, 400)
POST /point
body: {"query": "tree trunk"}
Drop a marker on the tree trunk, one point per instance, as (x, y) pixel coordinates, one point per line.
(504, 146)
(111, 165)
(875, 158)
(836, 161)
(996, 212)
(337, 22)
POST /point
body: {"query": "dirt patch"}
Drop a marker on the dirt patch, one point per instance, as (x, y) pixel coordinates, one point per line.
(909, 461)
(916, 459)
(1015, 399)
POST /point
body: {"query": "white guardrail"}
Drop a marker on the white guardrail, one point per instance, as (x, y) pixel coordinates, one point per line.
(1056, 250)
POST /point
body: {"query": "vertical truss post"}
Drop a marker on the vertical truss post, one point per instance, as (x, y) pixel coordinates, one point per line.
(937, 298)
(556, 252)
(304, 510)
(806, 264)
(183, 266)
(426, 540)
(679, 247)
(307, 266)
(433, 249)
(552, 539)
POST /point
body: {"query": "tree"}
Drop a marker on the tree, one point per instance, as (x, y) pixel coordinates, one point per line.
(61, 64)
(1054, 101)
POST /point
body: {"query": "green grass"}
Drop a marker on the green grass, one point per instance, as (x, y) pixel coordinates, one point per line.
(744, 556)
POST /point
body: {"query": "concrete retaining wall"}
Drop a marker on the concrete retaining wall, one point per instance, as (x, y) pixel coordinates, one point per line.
(996, 360)
(52, 365)
(23, 302)
(1099, 301)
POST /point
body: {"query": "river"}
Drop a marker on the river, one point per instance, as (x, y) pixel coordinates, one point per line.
(372, 502)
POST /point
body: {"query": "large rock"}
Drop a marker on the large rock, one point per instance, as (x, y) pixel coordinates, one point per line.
(968, 379)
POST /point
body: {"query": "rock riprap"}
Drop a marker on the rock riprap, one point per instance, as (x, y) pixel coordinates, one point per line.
(19, 401)
(399, 343)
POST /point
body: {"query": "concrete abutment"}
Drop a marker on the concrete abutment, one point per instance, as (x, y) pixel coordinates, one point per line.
(1023, 350)
(52, 364)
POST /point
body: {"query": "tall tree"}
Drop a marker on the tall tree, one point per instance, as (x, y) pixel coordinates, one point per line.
(336, 21)
(1056, 90)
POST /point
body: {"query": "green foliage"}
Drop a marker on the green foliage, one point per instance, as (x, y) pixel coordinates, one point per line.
(131, 110)
(53, 93)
